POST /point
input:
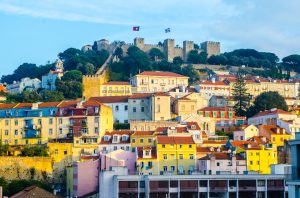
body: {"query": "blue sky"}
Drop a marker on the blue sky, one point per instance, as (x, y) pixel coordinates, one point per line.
(36, 31)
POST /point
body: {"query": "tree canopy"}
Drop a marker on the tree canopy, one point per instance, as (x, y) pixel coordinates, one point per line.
(266, 101)
(292, 62)
(240, 94)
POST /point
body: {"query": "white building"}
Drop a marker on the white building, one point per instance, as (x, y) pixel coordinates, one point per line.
(246, 132)
(48, 81)
(119, 105)
(271, 116)
(115, 140)
(213, 88)
(26, 84)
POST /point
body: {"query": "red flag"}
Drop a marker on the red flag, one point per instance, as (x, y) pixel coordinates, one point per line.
(136, 28)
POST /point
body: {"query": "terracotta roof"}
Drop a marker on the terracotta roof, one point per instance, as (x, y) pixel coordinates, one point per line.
(174, 140)
(272, 112)
(92, 103)
(23, 105)
(238, 143)
(68, 103)
(140, 95)
(7, 106)
(274, 130)
(259, 139)
(221, 156)
(48, 104)
(120, 132)
(34, 191)
(2, 88)
(116, 83)
(221, 83)
(160, 94)
(141, 149)
(111, 99)
(214, 109)
(193, 126)
(159, 73)
(214, 141)
(142, 133)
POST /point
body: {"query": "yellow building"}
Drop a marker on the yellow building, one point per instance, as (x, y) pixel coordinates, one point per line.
(115, 88)
(176, 155)
(143, 138)
(259, 156)
(185, 106)
(156, 81)
(147, 162)
(275, 134)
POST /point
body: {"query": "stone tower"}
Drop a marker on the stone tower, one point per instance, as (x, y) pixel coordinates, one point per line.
(187, 47)
(211, 48)
(102, 44)
(139, 42)
(169, 45)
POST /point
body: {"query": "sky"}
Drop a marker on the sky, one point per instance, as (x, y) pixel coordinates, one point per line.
(36, 31)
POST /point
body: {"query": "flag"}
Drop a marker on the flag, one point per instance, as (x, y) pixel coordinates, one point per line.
(136, 28)
(167, 30)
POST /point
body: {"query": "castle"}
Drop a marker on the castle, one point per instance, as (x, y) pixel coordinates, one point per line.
(168, 47)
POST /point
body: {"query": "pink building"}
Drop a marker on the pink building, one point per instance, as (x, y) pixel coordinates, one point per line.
(85, 178)
(222, 162)
(118, 158)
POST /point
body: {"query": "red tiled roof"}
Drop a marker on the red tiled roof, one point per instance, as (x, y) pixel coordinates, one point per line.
(34, 191)
(214, 109)
(141, 149)
(142, 133)
(68, 103)
(48, 104)
(7, 106)
(23, 105)
(116, 83)
(140, 95)
(214, 141)
(174, 140)
(111, 99)
(159, 73)
(272, 129)
(120, 132)
(272, 112)
(2, 88)
(191, 124)
(221, 83)
(160, 94)
(91, 103)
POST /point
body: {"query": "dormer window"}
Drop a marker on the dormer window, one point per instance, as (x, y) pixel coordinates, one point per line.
(193, 126)
(106, 138)
(115, 138)
(124, 138)
(97, 110)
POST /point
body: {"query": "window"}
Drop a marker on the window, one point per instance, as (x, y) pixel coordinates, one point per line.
(16, 142)
(115, 148)
(165, 168)
(191, 156)
(180, 146)
(26, 142)
(16, 132)
(147, 153)
(251, 163)
(39, 121)
(104, 149)
(218, 163)
(65, 152)
(158, 108)
(16, 122)
(190, 146)
(134, 109)
(181, 156)
(50, 120)
(274, 139)
(96, 130)
(6, 132)
(133, 140)
(126, 107)
(60, 131)
(127, 148)
(149, 140)
(142, 109)
(96, 120)
(141, 140)
(60, 121)
(257, 162)
(172, 168)
(117, 108)
(163, 146)
(115, 138)
(165, 156)
(50, 131)
(6, 122)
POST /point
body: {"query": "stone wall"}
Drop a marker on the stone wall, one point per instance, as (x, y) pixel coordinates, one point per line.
(38, 168)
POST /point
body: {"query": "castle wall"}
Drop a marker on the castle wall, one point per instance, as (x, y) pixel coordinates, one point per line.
(178, 52)
(188, 46)
(211, 48)
(91, 85)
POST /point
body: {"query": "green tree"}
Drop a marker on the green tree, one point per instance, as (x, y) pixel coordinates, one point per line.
(3, 149)
(191, 72)
(119, 52)
(292, 62)
(52, 96)
(240, 95)
(155, 54)
(31, 151)
(266, 101)
(197, 58)
(73, 75)
(177, 60)
(16, 186)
